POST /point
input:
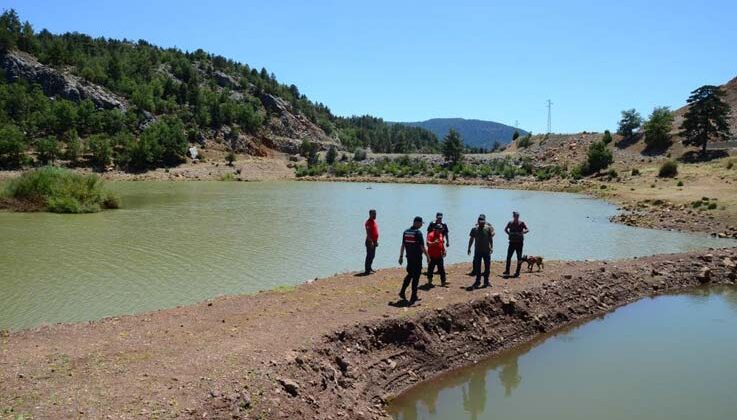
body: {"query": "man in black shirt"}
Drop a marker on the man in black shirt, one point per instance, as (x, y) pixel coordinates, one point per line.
(516, 229)
(414, 245)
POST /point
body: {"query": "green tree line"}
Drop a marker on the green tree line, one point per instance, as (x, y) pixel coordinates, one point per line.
(193, 90)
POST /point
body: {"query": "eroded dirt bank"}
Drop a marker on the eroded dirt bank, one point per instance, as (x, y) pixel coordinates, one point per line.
(333, 348)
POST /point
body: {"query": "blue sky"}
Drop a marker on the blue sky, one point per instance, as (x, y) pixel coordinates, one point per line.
(413, 60)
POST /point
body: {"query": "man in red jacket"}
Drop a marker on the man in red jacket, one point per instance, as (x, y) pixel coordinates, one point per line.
(436, 251)
(372, 241)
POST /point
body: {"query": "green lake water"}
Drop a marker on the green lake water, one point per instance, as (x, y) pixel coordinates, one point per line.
(176, 243)
(671, 357)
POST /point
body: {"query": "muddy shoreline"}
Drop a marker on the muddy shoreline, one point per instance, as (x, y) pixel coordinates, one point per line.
(331, 348)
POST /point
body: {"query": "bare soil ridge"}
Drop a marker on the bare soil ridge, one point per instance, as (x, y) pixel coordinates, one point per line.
(333, 348)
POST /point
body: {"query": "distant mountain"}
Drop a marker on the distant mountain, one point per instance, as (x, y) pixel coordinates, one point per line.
(475, 133)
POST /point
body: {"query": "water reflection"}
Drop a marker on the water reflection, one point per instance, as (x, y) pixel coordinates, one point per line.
(474, 395)
(662, 358)
(509, 376)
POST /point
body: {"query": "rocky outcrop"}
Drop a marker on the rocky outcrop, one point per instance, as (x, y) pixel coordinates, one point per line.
(225, 80)
(18, 65)
(286, 128)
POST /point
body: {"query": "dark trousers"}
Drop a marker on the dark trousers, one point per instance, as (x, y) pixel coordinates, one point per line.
(440, 264)
(370, 254)
(514, 247)
(477, 258)
(414, 270)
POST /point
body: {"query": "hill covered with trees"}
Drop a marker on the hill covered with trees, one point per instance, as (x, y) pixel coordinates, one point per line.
(136, 106)
(475, 133)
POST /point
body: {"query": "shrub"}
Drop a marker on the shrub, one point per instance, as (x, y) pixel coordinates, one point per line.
(635, 172)
(679, 184)
(578, 171)
(47, 149)
(730, 164)
(657, 128)
(161, 143)
(668, 169)
(712, 206)
(524, 142)
(359, 155)
(230, 158)
(60, 190)
(598, 157)
(12, 147)
(331, 155)
(607, 138)
(102, 150)
(74, 150)
(612, 174)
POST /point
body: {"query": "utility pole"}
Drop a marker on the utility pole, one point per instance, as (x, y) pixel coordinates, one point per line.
(550, 104)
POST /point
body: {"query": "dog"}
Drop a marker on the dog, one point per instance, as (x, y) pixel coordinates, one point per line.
(531, 261)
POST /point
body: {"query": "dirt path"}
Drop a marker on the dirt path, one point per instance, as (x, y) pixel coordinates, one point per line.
(333, 348)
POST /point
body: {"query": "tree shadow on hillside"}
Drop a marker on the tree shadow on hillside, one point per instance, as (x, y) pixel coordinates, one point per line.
(626, 142)
(695, 156)
(656, 150)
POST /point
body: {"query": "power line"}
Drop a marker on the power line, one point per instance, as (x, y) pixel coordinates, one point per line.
(550, 104)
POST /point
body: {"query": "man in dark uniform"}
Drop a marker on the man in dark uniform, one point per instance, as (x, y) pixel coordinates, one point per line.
(516, 229)
(414, 244)
(483, 236)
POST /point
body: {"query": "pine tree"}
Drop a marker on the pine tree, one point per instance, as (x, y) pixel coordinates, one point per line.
(706, 117)
(331, 155)
(453, 147)
(631, 121)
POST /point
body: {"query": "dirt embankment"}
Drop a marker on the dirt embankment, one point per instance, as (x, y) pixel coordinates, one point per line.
(333, 348)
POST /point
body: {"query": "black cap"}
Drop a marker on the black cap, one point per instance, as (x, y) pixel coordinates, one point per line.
(418, 219)
(482, 217)
(438, 214)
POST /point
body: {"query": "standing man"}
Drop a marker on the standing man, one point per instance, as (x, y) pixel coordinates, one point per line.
(483, 235)
(516, 229)
(439, 221)
(414, 244)
(372, 241)
(436, 251)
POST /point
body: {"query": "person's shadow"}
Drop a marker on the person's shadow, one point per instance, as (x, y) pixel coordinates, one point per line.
(401, 303)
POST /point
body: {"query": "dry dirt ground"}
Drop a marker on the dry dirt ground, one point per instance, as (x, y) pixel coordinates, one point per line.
(333, 348)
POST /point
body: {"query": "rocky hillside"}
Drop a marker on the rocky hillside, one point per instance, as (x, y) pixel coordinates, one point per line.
(74, 95)
(475, 133)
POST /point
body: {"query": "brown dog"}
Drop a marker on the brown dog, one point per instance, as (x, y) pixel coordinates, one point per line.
(531, 261)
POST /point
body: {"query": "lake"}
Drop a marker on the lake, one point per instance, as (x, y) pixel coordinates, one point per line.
(670, 357)
(177, 243)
